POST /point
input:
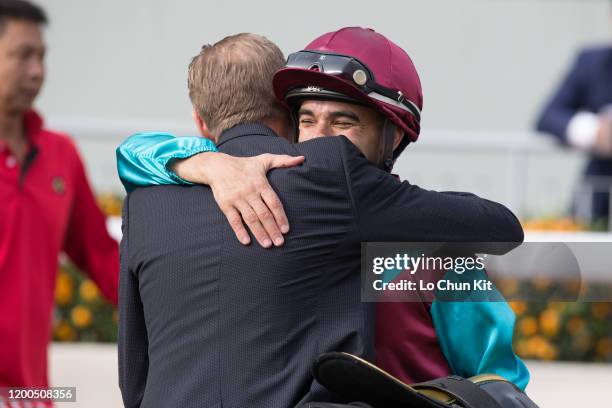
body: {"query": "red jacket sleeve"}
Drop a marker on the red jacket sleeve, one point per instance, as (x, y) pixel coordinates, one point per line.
(87, 242)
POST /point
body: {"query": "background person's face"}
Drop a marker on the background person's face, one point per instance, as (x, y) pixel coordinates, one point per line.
(21, 65)
(359, 124)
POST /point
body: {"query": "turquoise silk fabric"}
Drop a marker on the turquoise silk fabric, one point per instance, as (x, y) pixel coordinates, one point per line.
(142, 159)
(475, 334)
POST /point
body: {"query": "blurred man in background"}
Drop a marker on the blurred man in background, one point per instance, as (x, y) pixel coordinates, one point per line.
(580, 115)
(46, 206)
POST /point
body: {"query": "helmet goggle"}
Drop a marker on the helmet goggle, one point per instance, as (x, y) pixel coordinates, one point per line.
(353, 71)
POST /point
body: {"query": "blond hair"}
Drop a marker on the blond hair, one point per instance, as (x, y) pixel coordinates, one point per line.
(230, 82)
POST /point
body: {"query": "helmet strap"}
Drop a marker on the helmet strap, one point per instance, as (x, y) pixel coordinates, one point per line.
(295, 121)
(386, 160)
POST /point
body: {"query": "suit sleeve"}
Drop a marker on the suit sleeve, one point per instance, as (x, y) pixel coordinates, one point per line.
(390, 210)
(132, 340)
(142, 159)
(567, 100)
(87, 242)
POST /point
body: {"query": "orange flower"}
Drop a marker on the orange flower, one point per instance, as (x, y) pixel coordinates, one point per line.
(600, 310)
(549, 322)
(535, 345)
(548, 352)
(64, 288)
(551, 224)
(539, 347)
(81, 316)
(522, 349)
(575, 325)
(109, 204)
(519, 307)
(64, 332)
(558, 306)
(89, 291)
(541, 283)
(528, 326)
(568, 224)
(604, 348)
(582, 343)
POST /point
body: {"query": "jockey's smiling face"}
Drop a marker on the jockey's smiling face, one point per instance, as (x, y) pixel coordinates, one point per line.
(363, 126)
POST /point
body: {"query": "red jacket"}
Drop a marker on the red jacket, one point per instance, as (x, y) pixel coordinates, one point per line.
(46, 207)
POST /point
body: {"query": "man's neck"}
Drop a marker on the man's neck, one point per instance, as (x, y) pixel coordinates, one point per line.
(12, 133)
(279, 126)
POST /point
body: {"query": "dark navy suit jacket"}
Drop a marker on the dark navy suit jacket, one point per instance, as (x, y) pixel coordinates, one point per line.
(207, 322)
(587, 87)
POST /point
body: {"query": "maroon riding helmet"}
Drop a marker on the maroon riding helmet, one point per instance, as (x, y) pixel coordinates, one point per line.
(357, 65)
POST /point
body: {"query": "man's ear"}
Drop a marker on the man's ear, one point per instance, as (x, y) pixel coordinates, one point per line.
(202, 127)
(397, 138)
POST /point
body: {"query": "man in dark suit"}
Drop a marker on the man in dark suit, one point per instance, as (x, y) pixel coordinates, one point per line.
(579, 115)
(208, 322)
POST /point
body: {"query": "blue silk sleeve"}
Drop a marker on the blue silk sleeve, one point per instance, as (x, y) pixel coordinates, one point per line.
(476, 338)
(142, 159)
